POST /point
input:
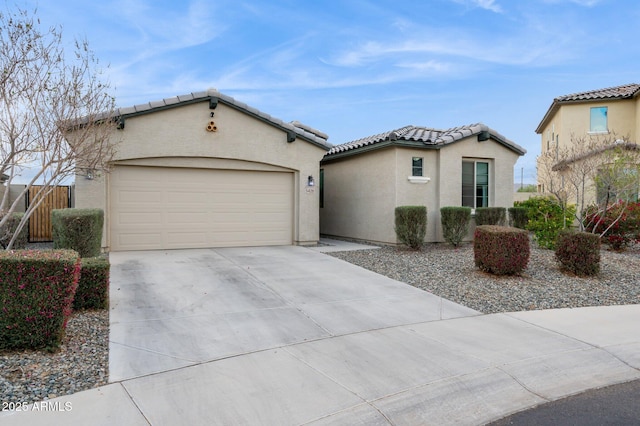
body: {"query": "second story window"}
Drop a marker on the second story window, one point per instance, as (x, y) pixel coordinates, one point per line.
(599, 120)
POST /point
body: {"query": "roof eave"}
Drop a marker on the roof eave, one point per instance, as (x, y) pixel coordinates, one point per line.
(375, 146)
(214, 97)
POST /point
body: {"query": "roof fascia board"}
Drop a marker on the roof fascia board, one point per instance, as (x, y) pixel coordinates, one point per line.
(379, 145)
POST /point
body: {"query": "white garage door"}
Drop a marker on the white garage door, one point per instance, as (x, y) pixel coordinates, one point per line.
(166, 208)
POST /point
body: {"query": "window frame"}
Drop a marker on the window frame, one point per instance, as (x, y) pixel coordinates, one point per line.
(321, 188)
(415, 168)
(595, 127)
(475, 186)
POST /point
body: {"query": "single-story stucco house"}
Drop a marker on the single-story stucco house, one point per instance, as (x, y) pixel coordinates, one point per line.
(204, 170)
(363, 181)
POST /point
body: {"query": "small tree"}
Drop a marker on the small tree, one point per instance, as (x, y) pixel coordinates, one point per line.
(47, 95)
(593, 174)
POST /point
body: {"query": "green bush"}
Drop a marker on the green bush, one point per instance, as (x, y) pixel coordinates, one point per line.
(9, 228)
(411, 225)
(37, 290)
(455, 223)
(546, 219)
(490, 216)
(501, 250)
(93, 286)
(578, 252)
(78, 229)
(518, 217)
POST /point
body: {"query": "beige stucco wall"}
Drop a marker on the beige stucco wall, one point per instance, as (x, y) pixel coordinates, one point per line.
(178, 137)
(416, 193)
(359, 197)
(362, 191)
(571, 122)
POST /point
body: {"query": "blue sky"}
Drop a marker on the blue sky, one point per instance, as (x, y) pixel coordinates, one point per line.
(356, 68)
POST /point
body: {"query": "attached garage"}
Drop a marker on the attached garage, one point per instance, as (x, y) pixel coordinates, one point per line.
(169, 208)
(204, 170)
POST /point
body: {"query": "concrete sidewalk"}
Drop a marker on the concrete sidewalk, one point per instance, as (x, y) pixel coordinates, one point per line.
(290, 336)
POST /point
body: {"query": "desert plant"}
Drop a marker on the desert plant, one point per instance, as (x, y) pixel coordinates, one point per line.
(490, 216)
(546, 218)
(518, 217)
(411, 225)
(578, 252)
(78, 229)
(455, 223)
(37, 290)
(619, 225)
(501, 250)
(93, 285)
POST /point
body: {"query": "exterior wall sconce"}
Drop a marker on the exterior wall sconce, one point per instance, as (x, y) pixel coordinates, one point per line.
(310, 181)
(91, 174)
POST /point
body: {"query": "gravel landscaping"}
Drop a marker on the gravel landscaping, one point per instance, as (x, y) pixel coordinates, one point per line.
(450, 273)
(82, 362)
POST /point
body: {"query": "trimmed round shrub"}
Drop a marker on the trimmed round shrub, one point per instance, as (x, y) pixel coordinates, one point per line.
(93, 285)
(37, 290)
(490, 216)
(455, 223)
(78, 229)
(501, 250)
(411, 225)
(578, 252)
(518, 217)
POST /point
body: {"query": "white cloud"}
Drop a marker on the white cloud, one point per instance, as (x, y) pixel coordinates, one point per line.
(483, 4)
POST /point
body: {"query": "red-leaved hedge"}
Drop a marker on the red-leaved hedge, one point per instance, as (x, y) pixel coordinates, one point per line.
(501, 250)
(36, 295)
(578, 252)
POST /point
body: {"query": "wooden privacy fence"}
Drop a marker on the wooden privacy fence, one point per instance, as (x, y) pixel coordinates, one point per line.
(40, 228)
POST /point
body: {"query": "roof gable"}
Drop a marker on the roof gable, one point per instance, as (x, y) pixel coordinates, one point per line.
(294, 129)
(626, 91)
(423, 137)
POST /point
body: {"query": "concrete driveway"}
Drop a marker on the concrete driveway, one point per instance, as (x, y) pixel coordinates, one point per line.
(291, 336)
(171, 309)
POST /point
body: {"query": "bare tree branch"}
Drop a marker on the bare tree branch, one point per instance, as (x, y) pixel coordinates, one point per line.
(48, 95)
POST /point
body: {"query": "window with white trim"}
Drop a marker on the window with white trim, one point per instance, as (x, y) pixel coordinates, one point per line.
(475, 184)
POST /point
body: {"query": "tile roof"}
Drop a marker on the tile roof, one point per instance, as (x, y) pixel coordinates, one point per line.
(626, 91)
(300, 130)
(618, 92)
(426, 137)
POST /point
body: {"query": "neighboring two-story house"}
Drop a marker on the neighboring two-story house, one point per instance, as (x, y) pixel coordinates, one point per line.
(604, 118)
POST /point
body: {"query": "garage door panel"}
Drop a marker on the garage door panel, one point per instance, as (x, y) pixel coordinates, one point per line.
(140, 196)
(139, 219)
(159, 207)
(188, 219)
